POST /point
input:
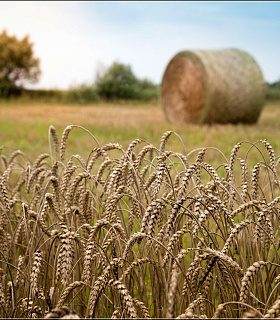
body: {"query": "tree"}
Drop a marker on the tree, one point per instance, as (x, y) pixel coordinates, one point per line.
(273, 91)
(275, 85)
(147, 84)
(17, 63)
(118, 82)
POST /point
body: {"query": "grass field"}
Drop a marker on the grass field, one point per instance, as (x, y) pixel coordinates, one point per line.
(25, 127)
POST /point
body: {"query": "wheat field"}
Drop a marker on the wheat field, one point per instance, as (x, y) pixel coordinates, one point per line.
(140, 232)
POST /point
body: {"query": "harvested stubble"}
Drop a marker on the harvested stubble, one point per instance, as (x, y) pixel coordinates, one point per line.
(207, 86)
(103, 239)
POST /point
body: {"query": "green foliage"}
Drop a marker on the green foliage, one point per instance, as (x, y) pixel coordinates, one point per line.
(119, 82)
(83, 93)
(17, 64)
(148, 89)
(44, 95)
(273, 92)
(150, 94)
(276, 85)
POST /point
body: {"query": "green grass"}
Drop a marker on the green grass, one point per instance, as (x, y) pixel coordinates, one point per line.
(25, 126)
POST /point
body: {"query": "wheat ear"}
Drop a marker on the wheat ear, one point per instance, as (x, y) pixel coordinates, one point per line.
(126, 297)
(67, 291)
(72, 189)
(271, 154)
(53, 132)
(234, 265)
(218, 311)
(62, 312)
(247, 279)
(233, 234)
(36, 269)
(144, 310)
(274, 311)
(171, 295)
(255, 180)
(64, 141)
(177, 236)
(232, 159)
(151, 214)
(19, 273)
(116, 313)
(65, 258)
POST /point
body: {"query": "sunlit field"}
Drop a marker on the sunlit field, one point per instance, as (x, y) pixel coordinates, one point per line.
(25, 127)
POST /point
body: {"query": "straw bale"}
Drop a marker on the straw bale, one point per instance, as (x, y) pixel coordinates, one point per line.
(213, 86)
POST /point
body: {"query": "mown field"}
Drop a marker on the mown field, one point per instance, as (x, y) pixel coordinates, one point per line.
(109, 211)
(25, 127)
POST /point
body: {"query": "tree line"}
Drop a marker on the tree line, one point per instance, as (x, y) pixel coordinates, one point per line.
(19, 66)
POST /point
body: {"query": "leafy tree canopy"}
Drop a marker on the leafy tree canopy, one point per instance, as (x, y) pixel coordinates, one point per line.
(275, 84)
(17, 63)
(119, 82)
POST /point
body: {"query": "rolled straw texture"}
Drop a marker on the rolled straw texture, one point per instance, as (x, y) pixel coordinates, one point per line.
(213, 86)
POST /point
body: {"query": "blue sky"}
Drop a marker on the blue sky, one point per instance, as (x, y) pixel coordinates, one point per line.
(74, 40)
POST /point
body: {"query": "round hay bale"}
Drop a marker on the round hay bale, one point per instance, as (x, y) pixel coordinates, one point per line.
(213, 86)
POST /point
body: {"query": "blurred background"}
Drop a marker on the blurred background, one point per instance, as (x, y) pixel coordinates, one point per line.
(100, 65)
(77, 42)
